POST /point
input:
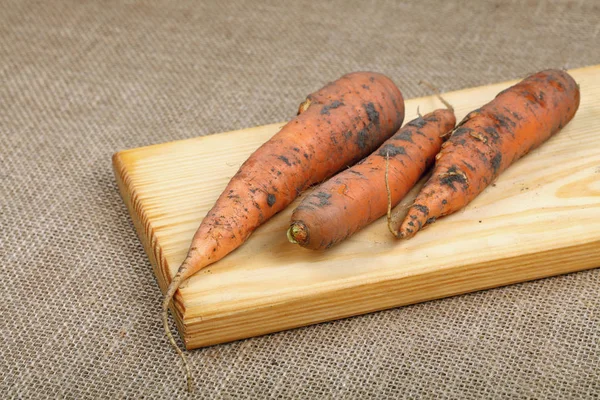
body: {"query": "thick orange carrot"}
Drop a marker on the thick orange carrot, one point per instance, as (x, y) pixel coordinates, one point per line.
(489, 140)
(336, 126)
(357, 196)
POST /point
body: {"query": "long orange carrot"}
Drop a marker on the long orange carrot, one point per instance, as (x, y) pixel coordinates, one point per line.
(489, 140)
(336, 126)
(357, 196)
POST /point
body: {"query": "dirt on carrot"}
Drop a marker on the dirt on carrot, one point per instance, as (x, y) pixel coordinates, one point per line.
(357, 196)
(488, 140)
(335, 127)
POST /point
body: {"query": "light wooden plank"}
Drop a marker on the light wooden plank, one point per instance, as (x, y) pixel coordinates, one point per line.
(541, 218)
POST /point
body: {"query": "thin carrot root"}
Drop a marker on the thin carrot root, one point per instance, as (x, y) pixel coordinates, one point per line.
(304, 106)
(389, 196)
(173, 286)
(436, 91)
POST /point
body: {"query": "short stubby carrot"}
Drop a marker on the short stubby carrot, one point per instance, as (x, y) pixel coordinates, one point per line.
(489, 140)
(335, 127)
(357, 196)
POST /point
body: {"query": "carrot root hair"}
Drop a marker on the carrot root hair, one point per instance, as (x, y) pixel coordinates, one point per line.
(389, 196)
(436, 91)
(173, 286)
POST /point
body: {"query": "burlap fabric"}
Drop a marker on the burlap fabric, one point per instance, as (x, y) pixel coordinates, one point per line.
(79, 304)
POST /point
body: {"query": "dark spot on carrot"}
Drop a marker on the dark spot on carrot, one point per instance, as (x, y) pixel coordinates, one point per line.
(423, 209)
(472, 168)
(405, 136)
(391, 150)
(460, 141)
(413, 216)
(418, 122)
(271, 199)
(418, 132)
(355, 172)
(305, 207)
(482, 156)
(493, 132)
(431, 118)
(285, 160)
(365, 86)
(372, 79)
(334, 104)
(444, 202)
(454, 175)
(430, 220)
(372, 113)
(411, 223)
(297, 150)
(496, 162)
(348, 135)
(461, 131)
(450, 179)
(506, 123)
(361, 139)
(323, 198)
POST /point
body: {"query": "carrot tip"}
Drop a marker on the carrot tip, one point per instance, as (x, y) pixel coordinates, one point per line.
(290, 236)
(297, 233)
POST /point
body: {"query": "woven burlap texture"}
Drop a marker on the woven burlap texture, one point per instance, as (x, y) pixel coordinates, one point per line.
(79, 304)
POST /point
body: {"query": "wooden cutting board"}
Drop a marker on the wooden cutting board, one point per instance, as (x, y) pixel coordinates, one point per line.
(541, 218)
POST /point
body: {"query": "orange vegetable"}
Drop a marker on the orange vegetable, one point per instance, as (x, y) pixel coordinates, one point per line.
(336, 126)
(357, 196)
(489, 140)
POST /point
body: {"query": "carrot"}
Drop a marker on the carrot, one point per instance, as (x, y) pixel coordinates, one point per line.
(335, 127)
(489, 140)
(357, 196)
